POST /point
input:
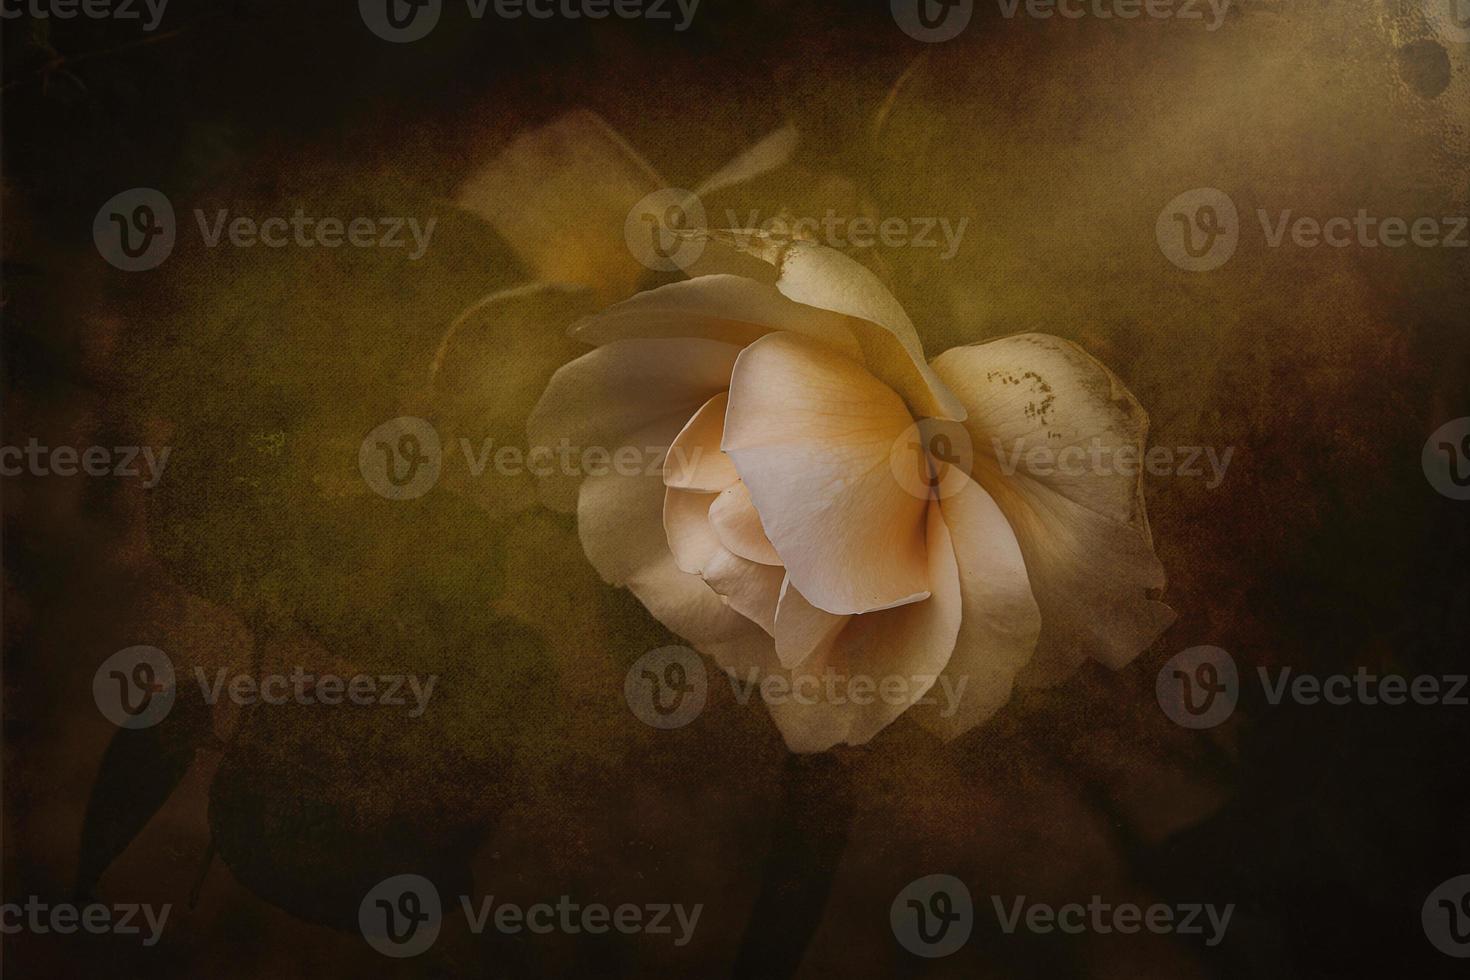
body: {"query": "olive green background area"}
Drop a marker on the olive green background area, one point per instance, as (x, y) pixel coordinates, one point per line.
(1059, 142)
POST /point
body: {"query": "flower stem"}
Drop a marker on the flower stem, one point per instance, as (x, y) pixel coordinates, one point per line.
(810, 835)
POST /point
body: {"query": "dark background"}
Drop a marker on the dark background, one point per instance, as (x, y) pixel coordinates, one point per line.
(1324, 549)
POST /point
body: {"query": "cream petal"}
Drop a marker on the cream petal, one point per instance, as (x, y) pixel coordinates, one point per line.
(619, 520)
(559, 195)
(801, 628)
(692, 539)
(999, 620)
(821, 277)
(738, 525)
(606, 396)
(731, 309)
(1083, 532)
(695, 460)
(909, 646)
(1033, 392)
(811, 433)
(750, 588)
(1091, 577)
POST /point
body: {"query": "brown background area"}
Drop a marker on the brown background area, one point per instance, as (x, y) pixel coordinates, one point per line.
(1324, 548)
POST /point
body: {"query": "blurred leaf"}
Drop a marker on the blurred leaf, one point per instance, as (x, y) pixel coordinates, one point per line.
(314, 804)
(140, 770)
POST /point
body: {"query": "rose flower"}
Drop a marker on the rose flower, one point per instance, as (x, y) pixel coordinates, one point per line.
(818, 515)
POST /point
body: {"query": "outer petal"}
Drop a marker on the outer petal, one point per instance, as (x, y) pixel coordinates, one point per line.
(696, 461)
(913, 642)
(1000, 621)
(738, 525)
(1083, 533)
(820, 277)
(619, 519)
(802, 629)
(607, 396)
(811, 433)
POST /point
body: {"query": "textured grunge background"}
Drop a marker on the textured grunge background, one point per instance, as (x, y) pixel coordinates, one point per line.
(1060, 141)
